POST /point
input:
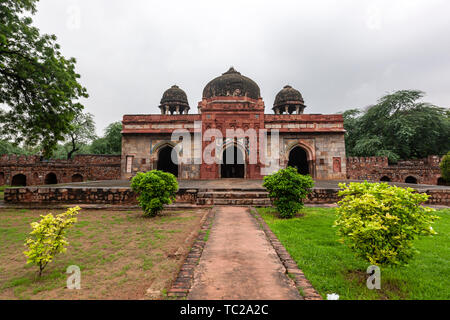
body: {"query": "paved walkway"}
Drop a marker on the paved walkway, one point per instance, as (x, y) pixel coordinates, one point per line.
(238, 262)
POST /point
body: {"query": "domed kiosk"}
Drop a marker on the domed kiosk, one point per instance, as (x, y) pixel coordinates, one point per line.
(174, 101)
(289, 101)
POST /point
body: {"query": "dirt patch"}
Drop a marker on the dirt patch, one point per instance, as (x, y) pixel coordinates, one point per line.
(388, 289)
(122, 255)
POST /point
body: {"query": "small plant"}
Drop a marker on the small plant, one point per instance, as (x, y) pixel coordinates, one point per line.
(155, 189)
(48, 237)
(445, 167)
(288, 188)
(380, 222)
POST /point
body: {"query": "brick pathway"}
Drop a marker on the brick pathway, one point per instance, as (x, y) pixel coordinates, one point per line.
(238, 262)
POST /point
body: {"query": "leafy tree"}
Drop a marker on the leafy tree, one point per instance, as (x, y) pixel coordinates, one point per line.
(399, 126)
(48, 237)
(288, 188)
(111, 142)
(380, 222)
(38, 84)
(155, 189)
(82, 131)
(445, 167)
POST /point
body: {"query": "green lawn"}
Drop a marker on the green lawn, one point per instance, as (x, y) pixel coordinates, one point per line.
(332, 268)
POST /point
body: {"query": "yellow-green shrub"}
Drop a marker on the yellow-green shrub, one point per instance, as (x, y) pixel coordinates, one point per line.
(380, 222)
(48, 237)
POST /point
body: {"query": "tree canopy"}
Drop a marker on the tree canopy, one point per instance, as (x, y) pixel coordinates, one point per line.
(38, 85)
(399, 126)
(111, 142)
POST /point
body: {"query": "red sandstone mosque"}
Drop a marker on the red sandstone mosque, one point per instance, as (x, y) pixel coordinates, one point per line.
(313, 143)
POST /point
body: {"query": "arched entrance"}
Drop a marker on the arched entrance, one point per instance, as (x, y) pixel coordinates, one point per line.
(232, 163)
(77, 178)
(2, 178)
(165, 162)
(441, 182)
(19, 180)
(298, 158)
(411, 179)
(385, 179)
(51, 178)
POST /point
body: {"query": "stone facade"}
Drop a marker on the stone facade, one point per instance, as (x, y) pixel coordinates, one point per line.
(422, 171)
(233, 102)
(31, 170)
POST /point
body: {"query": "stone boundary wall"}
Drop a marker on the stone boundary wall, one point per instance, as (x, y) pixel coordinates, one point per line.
(34, 171)
(424, 171)
(122, 196)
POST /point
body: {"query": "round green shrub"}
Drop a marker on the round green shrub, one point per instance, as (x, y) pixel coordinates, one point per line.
(445, 167)
(155, 189)
(287, 188)
(379, 222)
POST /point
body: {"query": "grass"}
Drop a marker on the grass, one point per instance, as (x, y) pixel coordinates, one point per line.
(121, 255)
(331, 267)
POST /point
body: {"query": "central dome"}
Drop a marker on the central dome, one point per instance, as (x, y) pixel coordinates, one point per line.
(232, 83)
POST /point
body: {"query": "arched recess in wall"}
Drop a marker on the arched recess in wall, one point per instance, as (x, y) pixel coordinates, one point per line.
(298, 158)
(19, 180)
(233, 162)
(385, 179)
(441, 182)
(77, 178)
(2, 178)
(51, 178)
(411, 180)
(165, 162)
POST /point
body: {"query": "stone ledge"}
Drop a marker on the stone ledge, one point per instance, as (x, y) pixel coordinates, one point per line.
(302, 284)
(183, 282)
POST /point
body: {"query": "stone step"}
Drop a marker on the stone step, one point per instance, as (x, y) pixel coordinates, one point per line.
(246, 202)
(233, 195)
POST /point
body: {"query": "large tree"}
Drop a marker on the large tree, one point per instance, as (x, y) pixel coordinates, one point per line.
(38, 85)
(399, 126)
(81, 133)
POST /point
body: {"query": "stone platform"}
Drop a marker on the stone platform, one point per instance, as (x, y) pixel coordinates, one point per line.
(194, 192)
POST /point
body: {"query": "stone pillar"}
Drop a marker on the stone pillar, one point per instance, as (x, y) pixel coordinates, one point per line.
(287, 109)
(167, 110)
(297, 109)
(177, 110)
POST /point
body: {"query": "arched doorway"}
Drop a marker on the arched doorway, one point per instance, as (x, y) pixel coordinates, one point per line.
(165, 162)
(2, 178)
(232, 163)
(51, 178)
(411, 179)
(77, 178)
(385, 179)
(298, 158)
(441, 182)
(19, 180)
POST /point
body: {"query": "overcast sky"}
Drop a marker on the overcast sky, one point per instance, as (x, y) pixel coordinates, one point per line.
(340, 54)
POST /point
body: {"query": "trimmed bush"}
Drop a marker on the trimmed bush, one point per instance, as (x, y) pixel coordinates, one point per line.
(155, 189)
(287, 188)
(379, 222)
(445, 167)
(48, 237)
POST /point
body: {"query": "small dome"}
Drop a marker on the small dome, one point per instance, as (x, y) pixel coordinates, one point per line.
(288, 95)
(289, 100)
(232, 83)
(175, 95)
